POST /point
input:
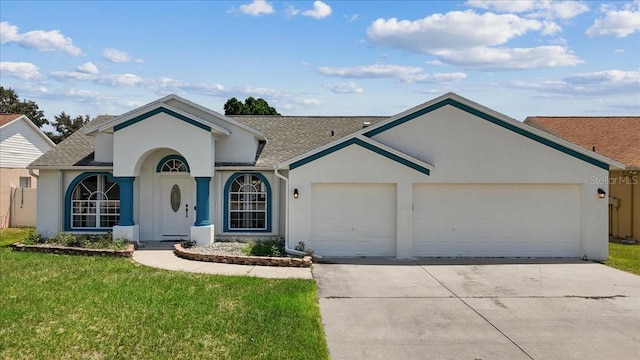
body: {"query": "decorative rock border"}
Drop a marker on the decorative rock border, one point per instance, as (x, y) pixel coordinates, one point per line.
(66, 250)
(243, 260)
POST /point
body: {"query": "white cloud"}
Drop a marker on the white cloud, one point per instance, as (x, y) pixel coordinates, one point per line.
(407, 74)
(618, 23)
(118, 56)
(257, 8)
(348, 87)
(320, 10)
(606, 82)
(436, 78)
(540, 8)
(21, 70)
(370, 71)
(102, 79)
(486, 58)
(40, 40)
(453, 30)
(87, 68)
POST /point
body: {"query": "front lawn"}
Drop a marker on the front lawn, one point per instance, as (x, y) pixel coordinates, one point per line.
(72, 307)
(624, 257)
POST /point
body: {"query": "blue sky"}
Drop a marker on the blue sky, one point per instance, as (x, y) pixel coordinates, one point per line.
(520, 58)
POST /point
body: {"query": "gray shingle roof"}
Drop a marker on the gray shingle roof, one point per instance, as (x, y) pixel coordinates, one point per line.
(291, 136)
(76, 150)
(287, 137)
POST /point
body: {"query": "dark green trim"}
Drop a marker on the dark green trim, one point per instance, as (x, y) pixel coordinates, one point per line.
(158, 111)
(493, 120)
(364, 144)
(172, 157)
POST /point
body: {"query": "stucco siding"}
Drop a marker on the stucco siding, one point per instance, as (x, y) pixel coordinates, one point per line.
(50, 202)
(10, 178)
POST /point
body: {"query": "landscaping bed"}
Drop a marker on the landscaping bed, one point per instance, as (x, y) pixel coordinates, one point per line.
(265, 253)
(75, 244)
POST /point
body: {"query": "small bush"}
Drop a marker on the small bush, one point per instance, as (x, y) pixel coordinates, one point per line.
(35, 239)
(271, 247)
(189, 244)
(300, 246)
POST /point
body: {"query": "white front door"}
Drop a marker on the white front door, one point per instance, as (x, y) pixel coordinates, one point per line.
(177, 206)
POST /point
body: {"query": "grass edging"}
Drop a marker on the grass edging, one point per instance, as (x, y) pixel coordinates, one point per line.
(243, 260)
(66, 250)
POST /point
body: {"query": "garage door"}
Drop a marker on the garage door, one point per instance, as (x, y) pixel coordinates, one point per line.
(353, 219)
(496, 220)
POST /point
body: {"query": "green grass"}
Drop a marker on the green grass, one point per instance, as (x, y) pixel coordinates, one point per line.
(624, 257)
(73, 307)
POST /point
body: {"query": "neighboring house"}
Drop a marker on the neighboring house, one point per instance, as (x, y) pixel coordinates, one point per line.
(446, 178)
(616, 137)
(21, 142)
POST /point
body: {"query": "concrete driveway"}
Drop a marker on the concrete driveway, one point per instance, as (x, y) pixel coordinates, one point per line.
(481, 310)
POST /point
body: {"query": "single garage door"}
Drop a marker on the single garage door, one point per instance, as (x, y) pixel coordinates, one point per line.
(353, 219)
(512, 220)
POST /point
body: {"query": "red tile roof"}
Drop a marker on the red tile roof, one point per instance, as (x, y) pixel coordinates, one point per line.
(7, 118)
(616, 137)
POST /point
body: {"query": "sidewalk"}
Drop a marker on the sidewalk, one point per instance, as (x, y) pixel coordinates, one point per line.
(165, 259)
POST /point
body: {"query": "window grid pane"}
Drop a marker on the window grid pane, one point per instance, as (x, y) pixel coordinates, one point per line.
(96, 203)
(247, 203)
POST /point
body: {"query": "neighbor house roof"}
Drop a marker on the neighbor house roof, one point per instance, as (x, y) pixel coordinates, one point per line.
(7, 118)
(616, 137)
(287, 137)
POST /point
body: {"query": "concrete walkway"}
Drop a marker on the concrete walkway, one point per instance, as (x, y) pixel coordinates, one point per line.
(163, 258)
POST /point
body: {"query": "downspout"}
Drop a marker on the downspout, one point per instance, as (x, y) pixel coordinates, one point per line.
(33, 173)
(287, 249)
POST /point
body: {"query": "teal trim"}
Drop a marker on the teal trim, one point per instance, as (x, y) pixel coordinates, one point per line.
(172, 157)
(202, 201)
(493, 120)
(366, 145)
(67, 201)
(158, 111)
(126, 200)
(227, 185)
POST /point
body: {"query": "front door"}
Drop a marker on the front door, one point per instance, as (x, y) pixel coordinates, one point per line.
(177, 206)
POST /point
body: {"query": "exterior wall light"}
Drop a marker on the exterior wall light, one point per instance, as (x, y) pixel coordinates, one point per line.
(601, 193)
(295, 193)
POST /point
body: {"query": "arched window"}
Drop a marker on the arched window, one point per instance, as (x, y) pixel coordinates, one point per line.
(247, 203)
(95, 203)
(173, 163)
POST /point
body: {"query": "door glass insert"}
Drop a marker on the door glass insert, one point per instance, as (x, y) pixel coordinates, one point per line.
(175, 198)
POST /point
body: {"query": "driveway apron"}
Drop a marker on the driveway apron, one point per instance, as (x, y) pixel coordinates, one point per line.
(479, 309)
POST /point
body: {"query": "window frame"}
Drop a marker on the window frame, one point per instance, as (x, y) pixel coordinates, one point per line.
(72, 204)
(228, 208)
(165, 160)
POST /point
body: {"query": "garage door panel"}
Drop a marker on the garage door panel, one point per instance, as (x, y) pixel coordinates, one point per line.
(496, 220)
(353, 219)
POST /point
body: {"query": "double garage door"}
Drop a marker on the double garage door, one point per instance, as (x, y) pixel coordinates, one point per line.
(449, 220)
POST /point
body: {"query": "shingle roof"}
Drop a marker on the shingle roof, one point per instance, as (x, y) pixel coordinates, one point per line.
(287, 137)
(291, 136)
(76, 150)
(616, 137)
(7, 118)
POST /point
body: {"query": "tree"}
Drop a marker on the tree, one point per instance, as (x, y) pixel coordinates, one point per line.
(65, 126)
(10, 103)
(251, 106)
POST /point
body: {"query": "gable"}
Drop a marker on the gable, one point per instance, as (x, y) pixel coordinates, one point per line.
(378, 149)
(496, 120)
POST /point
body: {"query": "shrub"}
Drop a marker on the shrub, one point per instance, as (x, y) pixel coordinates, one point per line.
(34, 239)
(270, 247)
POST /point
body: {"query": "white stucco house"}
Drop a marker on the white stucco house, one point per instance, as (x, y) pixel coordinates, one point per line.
(448, 178)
